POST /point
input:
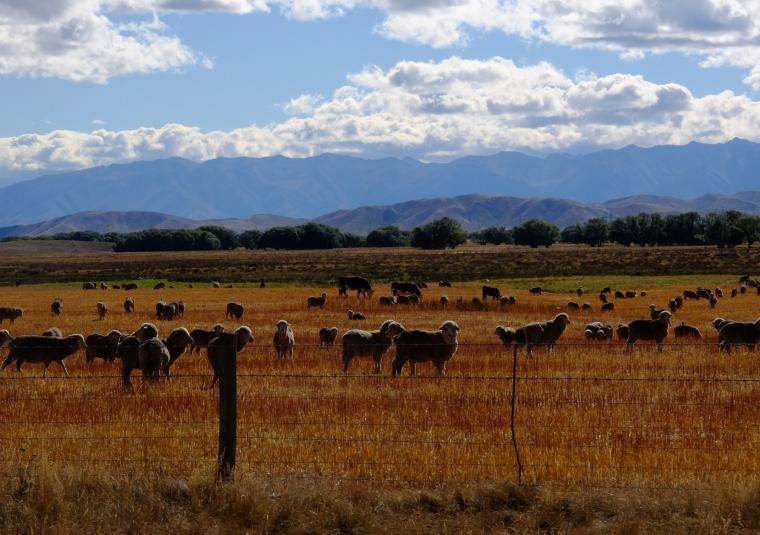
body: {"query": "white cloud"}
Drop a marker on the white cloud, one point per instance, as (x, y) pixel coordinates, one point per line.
(431, 111)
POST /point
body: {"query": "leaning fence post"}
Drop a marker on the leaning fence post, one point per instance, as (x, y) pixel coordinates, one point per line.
(512, 420)
(227, 406)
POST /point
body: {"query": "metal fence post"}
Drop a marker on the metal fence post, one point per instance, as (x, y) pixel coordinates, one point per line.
(227, 406)
(512, 419)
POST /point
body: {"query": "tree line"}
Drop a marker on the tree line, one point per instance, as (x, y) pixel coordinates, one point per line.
(727, 229)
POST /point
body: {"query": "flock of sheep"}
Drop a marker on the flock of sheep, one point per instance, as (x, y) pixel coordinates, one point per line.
(154, 356)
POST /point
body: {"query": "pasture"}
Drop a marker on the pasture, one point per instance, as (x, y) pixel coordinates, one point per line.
(590, 416)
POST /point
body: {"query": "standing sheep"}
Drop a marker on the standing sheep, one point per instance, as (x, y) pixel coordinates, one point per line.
(284, 340)
(608, 307)
(656, 330)
(234, 311)
(506, 335)
(444, 301)
(243, 337)
(739, 333)
(355, 316)
(43, 349)
(387, 301)
(102, 346)
(622, 331)
(153, 357)
(686, 331)
(145, 332)
(202, 337)
(418, 346)
(536, 290)
(102, 310)
(5, 337)
(543, 333)
(358, 343)
(317, 302)
(56, 307)
(178, 341)
(10, 313)
(327, 336)
(129, 305)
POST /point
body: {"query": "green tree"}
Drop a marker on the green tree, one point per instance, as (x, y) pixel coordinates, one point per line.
(281, 238)
(595, 232)
(228, 238)
(317, 236)
(352, 240)
(572, 234)
(493, 235)
(723, 229)
(439, 234)
(390, 236)
(535, 233)
(250, 239)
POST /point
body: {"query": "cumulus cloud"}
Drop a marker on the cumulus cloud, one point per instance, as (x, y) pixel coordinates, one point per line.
(433, 111)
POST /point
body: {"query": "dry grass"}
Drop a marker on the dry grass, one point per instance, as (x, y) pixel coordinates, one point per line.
(305, 426)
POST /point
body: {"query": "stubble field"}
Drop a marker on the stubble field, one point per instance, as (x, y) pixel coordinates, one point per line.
(589, 416)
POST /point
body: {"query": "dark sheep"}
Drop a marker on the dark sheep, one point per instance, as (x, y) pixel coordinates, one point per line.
(656, 330)
(234, 311)
(444, 284)
(399, 288)
(536, 290)
(572, 305)
(284, 340)
(619, 295)
(387, 301)
(608, 307)
(506, 335)
(739, 333)
(129, 305)
(686, 331)
(159, 286)
(178, 341)
(56, 307)
(418, 346)
(359, 343)
(153, 357)
(43, 349)
(202, 337)
(89, 286)
(102, 310)
(10, 313)
(130, 286)
(102, 346)
(327, 336)
(690, 294)
(356, 316)
(243, 337)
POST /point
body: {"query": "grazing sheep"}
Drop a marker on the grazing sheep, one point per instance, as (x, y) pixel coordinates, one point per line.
(283, 340)
(619, 295)
(535, 290)
(10, 313)
(215, 284)
(598, 331)
(387, 301)
(608, 307)
(504, 301)
(128, 351)
(743, 290)
(572, 305)
(490, 291)
(89, 286)
(734, 292)
(417, 346)
(130, 286)
(690, 294)
(362, 286)
(116, 287)
(739, 333)
(202, 337)
(444, 284)
(358, 343)
(403, 300)
(603, 298)
(673, 306)
(317, 302)
(713, 301)
(686, 331)
(102, 346)
(355, 316)
(52, 332)
(630, 294)
(719, 292)
(103, 286)
(444, 301)
(178, 341)
(153, 357)
(414, 299)
(43, 349)
(679, 301)
(243, 337)
(145, 331)
(622, 331)
(506, 335)
(579, 291)
(543, 332)
(234, 311)
(656, 330)
(606, 290)
(180, 308)
(654, 312)
(129, 305)
(102, 310)
(586, 307)
(643, 294)
(327, 336)
(477, 304)
(159, 286)
(56, 307)
(168, 311)
(704, 293)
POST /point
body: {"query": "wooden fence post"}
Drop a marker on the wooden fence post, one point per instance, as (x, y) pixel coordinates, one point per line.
(512, 420)
(227, 406)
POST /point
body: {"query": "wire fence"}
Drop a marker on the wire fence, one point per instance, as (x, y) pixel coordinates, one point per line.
(563, 430)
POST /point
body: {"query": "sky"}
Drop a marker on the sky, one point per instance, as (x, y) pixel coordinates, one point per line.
(95, 82)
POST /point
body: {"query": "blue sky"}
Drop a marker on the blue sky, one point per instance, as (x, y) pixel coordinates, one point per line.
(90, 82)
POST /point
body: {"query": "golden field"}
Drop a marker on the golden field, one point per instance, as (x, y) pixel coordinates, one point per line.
(588, 414)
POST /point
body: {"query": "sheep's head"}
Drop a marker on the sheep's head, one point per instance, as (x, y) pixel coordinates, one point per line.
(5, 336)
(324, 296)
(218, 328)
(393, 329)
(114, 337)
(562, 319)
(282, 327)
(180, 337)
(245, 335)
(450, 331)
(717, 322)
(652, 307)
(79, 340)
(350, 313)
(664, 317)
(505, 334)
(589, 334)
(145, 332)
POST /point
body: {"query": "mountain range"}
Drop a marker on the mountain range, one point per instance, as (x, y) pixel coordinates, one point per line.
(472, 211)
(305, 188)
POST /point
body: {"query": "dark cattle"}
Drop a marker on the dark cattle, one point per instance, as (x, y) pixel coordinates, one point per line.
(493, 293)
(360, 284)
(234, 311)
(535, 290)
(405, 288)
(130, 286)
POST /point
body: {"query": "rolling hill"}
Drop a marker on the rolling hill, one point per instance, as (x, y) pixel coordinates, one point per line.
(309, 187)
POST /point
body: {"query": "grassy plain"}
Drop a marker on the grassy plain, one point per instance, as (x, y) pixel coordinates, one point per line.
(602, 432)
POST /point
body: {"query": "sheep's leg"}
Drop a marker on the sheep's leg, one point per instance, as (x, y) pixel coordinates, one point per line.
(378, 364)
(63, 365)
(440, 369)
(44, 370)
(7, 361)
